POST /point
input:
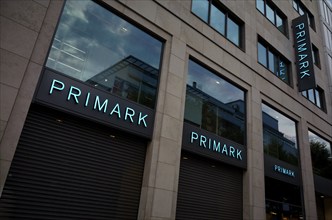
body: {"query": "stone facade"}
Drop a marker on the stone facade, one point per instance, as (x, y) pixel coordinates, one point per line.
(27, 29)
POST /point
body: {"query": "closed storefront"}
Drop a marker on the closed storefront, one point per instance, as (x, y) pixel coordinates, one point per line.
(209, 189)
(283, 192)
(81, 154)
(213, 153)
(67, 167)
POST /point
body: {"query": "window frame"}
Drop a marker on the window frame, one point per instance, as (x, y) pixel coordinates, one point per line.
(298, 5)
(320, 99)
(228, 81)
(130, 21)
(228, 15)
(287, 116)
(279, 58)
(315, 55)
(276, 13)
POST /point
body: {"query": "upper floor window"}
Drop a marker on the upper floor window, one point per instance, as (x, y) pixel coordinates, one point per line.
(96, 46)
(213, 104)
(321, 156)
(273, 14)
(279, 136)
(316, 96)
(315, 56)
(301, 9)
(273, 61)
(220, 18)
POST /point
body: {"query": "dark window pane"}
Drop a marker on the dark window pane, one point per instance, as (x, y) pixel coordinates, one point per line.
(280, 23)
(270, 14)
(233, 32)
(201, 9)
(260, 5)
(315, 55)
(217, 19)
(213, 104)
(279, 136)
(98, 47)
(262, 54)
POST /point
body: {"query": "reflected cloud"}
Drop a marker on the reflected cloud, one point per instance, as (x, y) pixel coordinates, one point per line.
(101, 39)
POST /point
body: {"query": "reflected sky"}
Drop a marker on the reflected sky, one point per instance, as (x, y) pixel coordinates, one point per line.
(213, 85)
(100, 39)
(315, 138)
(285, 125)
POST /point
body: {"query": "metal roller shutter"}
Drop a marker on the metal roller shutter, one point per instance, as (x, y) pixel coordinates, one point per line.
(70, 168)
(208, 190)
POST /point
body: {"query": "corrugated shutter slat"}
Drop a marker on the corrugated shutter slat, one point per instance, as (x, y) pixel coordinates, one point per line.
(70, 168)
(208, 190)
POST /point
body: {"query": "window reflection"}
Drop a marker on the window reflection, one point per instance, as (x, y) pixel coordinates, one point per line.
(316, 96)
(220, 18)
(273, 14)
(97, 47)
(321, 156)
(273, 61)
(262, 54)
(260, 4)
(279, 136)
(233, 31)
(217, 19)
(270, 13)
(214, 104)
(201, 9)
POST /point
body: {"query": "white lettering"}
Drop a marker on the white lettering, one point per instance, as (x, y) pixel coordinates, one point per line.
(116, 109)
(75, 95)
(55, 87)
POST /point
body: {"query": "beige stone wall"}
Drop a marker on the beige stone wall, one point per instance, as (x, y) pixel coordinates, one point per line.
(26, 31)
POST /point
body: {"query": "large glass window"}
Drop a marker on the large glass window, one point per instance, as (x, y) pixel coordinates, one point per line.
(279, 136)
(272, 60)
(321, 155)
(220, 18)
(273, 14)
(214, 104)
(98, 47)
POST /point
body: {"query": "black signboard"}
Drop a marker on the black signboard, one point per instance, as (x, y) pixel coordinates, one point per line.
(213, 146)
(281, 170)
(303, 53)
(76, 97)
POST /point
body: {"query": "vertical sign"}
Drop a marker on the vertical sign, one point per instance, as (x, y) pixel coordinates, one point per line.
(303, 53)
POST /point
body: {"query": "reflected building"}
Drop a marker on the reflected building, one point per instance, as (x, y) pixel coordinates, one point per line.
(129, 78)
(206, 112)
(275, 142)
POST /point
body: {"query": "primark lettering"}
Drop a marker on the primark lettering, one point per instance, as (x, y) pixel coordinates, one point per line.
(303, 53)
(75, 94)
(66, 94)
(215, 146)
(284, 171)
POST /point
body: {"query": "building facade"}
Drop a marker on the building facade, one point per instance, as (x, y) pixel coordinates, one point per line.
(155, 109)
